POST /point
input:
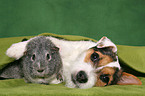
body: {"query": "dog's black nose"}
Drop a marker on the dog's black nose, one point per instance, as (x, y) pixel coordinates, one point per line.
(81, 77)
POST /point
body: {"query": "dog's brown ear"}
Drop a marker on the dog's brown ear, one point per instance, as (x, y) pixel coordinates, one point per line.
(129, 79)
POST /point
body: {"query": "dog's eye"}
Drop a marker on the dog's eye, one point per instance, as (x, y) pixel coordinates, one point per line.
(94, 57)
(48, 57)
(33, 57)
(105, 78)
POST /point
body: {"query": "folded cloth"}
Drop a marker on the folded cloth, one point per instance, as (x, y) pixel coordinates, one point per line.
(131, 56)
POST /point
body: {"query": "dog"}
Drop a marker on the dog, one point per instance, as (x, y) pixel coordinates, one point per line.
(109, 72)
(87, 64)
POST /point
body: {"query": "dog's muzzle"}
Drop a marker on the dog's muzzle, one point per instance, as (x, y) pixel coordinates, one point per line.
(80, 77)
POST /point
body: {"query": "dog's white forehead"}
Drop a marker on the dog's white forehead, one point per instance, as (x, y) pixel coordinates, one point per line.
(81, 66)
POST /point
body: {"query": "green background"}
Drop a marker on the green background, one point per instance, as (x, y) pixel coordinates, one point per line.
(123, 21)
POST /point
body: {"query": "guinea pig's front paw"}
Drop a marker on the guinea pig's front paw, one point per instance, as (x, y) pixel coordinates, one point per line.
(26, 80)
(59, 77)
(55, 81)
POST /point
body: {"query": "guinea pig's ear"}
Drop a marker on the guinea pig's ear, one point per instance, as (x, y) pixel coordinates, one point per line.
(128, 79)
(105, 42)
(17, 50)
(24, 39)
(55, 49)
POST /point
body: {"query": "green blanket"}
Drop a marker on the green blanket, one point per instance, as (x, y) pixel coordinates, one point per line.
(131, 58)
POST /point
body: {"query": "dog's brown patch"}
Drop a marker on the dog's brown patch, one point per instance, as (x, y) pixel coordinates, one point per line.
(112, 74)
(108, 71)
(88, 55)
(103, 59)
(116, 76)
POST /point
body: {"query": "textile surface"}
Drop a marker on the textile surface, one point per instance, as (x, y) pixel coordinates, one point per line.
(130, 56)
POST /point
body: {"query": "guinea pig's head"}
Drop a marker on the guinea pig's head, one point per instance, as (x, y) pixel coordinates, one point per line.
(41, 61)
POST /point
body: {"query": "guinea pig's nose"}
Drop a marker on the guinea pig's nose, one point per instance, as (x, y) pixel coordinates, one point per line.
(81, 77)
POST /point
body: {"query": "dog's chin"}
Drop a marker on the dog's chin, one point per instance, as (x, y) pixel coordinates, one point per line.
(87, 85)
(79, 85)
(89, 82)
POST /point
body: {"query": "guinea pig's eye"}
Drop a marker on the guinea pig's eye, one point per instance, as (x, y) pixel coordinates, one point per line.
(48, 57)
(105, 78)
(33, 57)
(94, 56)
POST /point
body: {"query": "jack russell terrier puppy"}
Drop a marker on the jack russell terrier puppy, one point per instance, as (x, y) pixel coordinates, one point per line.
(104, 58)
(85, 63)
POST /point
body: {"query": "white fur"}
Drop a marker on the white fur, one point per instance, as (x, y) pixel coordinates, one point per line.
(80, 65)
(17, 50)
(70, 50)
(76, 66)
(73, 54)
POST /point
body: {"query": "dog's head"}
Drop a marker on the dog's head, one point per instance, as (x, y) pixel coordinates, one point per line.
(83, 70)
(80, 74)
(99, 66)
(105, 60)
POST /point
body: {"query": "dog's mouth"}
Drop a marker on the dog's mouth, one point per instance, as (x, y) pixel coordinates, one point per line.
(79, 78)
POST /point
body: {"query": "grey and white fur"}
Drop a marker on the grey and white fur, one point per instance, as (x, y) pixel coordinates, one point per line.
(41, 62)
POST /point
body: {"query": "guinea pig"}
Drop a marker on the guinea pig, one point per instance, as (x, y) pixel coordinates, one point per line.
(39, 62)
